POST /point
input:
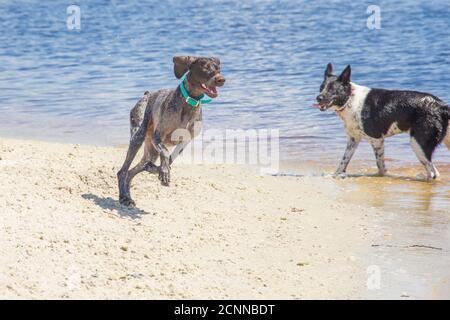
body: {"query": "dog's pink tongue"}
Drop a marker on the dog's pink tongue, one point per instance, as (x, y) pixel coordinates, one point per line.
(316, 105)
(211, 90)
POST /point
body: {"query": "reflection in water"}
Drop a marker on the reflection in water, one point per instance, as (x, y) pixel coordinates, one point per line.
(400, 191)
(404, 189)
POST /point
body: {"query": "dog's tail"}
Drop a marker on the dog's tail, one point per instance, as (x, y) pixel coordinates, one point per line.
(137, 114)
(447, 135)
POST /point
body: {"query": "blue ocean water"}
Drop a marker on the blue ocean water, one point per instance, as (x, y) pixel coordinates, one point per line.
(79, 85)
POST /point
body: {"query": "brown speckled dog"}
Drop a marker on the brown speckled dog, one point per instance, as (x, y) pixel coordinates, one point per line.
(158, 114)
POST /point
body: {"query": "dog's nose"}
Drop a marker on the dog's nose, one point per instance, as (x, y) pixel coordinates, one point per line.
(220, 81)
(319, 98)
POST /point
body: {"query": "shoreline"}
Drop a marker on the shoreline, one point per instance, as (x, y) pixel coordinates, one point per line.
(218, 232)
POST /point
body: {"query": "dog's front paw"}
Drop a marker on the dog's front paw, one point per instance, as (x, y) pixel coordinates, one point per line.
(381, 173)
(339, 175)
(432, 177)
(128, 202)
(164, 176)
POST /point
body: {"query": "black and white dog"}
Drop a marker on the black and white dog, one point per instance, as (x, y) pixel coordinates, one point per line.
(374, 114)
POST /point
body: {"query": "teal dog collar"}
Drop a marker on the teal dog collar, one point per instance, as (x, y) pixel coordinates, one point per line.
(189, 100)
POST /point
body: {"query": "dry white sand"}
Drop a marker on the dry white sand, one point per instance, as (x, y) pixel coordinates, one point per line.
(219, 231)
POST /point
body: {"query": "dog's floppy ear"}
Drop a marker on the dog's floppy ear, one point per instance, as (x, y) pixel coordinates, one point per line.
(345, 75)
(181, 65)
(328, 71)
(216, 60)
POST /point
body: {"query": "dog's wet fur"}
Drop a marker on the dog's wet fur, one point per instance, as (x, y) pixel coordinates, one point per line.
(374, 114)
(156, 117)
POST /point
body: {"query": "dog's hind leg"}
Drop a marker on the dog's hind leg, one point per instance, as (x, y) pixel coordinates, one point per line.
(352, 145)
(123, 174)
(378, 148)
(424, 154)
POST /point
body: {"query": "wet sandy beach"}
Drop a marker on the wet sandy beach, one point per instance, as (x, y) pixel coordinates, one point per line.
(412, 234)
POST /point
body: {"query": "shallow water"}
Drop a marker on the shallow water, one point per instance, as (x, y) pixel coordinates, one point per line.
(78, 86)
(410, 247)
